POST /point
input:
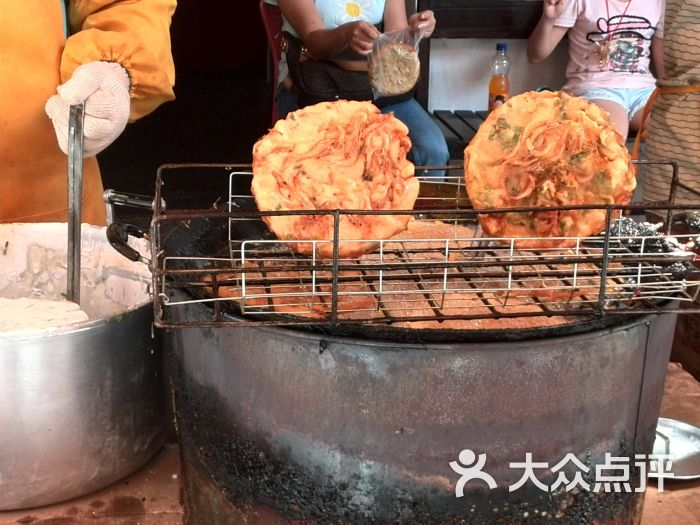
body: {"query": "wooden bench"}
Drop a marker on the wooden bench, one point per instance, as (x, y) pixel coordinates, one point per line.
(459, 128)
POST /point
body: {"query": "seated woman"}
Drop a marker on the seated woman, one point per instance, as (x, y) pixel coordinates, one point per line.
(343, 32)
(610, 46)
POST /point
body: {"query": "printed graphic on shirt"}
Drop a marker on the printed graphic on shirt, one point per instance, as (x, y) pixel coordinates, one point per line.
(621, 41)
(351, 11)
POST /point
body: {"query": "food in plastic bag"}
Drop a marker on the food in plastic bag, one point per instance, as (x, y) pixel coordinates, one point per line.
(394, 66)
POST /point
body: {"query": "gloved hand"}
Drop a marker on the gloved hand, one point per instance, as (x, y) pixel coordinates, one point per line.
(104, 89)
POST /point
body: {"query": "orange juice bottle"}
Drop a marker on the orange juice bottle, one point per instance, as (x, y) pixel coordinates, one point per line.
(499, 87)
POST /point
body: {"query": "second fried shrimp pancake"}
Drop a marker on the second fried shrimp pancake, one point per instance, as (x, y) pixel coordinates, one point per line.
(547, 150)
(342, 155)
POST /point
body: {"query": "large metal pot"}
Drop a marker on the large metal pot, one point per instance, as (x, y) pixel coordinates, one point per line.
(80, 406)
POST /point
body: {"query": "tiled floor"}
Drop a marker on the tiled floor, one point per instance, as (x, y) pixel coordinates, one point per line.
(679, 504)
(152, 496)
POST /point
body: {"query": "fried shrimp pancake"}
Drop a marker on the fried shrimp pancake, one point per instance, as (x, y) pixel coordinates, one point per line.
(394, 68)
(547, 150)
(342, 155)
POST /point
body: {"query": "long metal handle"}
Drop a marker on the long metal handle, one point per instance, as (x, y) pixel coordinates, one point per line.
(75, 193)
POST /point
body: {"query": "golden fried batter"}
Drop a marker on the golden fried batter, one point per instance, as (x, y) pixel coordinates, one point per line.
(342, 155)
(547, 149)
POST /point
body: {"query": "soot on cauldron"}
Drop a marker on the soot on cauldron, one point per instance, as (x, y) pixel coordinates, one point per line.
(646, 237)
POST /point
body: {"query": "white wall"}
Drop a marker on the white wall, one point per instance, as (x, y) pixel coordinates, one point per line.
(460, 70)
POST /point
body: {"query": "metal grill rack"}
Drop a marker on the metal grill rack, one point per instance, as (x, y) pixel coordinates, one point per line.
(220, 253)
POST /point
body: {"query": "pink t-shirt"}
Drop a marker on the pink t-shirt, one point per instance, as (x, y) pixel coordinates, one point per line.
(597, 26)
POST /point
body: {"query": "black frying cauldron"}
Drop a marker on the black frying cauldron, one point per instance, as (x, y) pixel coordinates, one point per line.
(281, 426)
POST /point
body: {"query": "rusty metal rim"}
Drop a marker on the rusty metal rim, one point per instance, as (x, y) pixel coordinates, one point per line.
(448, 339)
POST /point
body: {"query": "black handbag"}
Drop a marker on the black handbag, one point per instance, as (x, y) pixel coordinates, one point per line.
(323, 81)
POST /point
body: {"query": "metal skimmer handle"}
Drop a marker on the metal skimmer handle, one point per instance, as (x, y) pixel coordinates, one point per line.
(75, 193)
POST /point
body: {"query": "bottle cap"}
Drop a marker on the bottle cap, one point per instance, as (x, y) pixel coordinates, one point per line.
(501, 46)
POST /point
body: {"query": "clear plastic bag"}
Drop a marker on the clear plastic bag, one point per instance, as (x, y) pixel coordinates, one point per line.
(394, 66)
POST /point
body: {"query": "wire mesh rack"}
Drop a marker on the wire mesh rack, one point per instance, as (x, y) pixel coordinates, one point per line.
(215, 249)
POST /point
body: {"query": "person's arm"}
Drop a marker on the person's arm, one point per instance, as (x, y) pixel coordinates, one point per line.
(395, 19)
(657, 56)
(546, 35)
(118, 63)
(326, 43)
(135, 35)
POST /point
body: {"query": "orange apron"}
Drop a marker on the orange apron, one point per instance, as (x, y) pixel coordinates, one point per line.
(36, 57)
(33, 180)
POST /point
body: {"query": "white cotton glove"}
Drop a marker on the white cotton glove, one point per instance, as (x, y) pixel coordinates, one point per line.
(104, 89)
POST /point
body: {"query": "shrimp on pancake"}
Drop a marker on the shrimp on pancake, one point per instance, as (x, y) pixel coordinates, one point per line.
(342, 155)
(547, 150)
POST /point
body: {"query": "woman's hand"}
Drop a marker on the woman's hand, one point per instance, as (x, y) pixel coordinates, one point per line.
(423, 23)
(553, 8)
(360, 36)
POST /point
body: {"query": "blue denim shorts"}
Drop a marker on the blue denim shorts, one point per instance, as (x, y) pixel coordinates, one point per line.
(632, 99)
